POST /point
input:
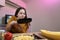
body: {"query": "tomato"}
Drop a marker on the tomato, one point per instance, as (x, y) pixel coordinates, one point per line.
(8, 36)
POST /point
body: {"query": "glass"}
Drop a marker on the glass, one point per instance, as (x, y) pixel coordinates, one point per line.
(2, 34)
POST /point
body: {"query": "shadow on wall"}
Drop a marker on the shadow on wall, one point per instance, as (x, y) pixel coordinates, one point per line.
(2, 25)
(0, 20)
(3, 20)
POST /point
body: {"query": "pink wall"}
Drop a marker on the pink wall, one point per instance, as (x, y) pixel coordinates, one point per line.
(19, 2)
(45, 14)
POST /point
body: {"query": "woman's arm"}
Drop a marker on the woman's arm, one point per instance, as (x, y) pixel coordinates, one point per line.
(11, 21)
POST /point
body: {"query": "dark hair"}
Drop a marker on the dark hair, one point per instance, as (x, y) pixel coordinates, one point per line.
(17, 11)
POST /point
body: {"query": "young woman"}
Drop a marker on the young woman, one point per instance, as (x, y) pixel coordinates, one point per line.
(14, 26)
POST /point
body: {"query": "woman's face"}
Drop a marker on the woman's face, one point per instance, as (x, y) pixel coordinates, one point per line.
(21, 14)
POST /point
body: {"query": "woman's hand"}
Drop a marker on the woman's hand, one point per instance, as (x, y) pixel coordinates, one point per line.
(13, 22)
